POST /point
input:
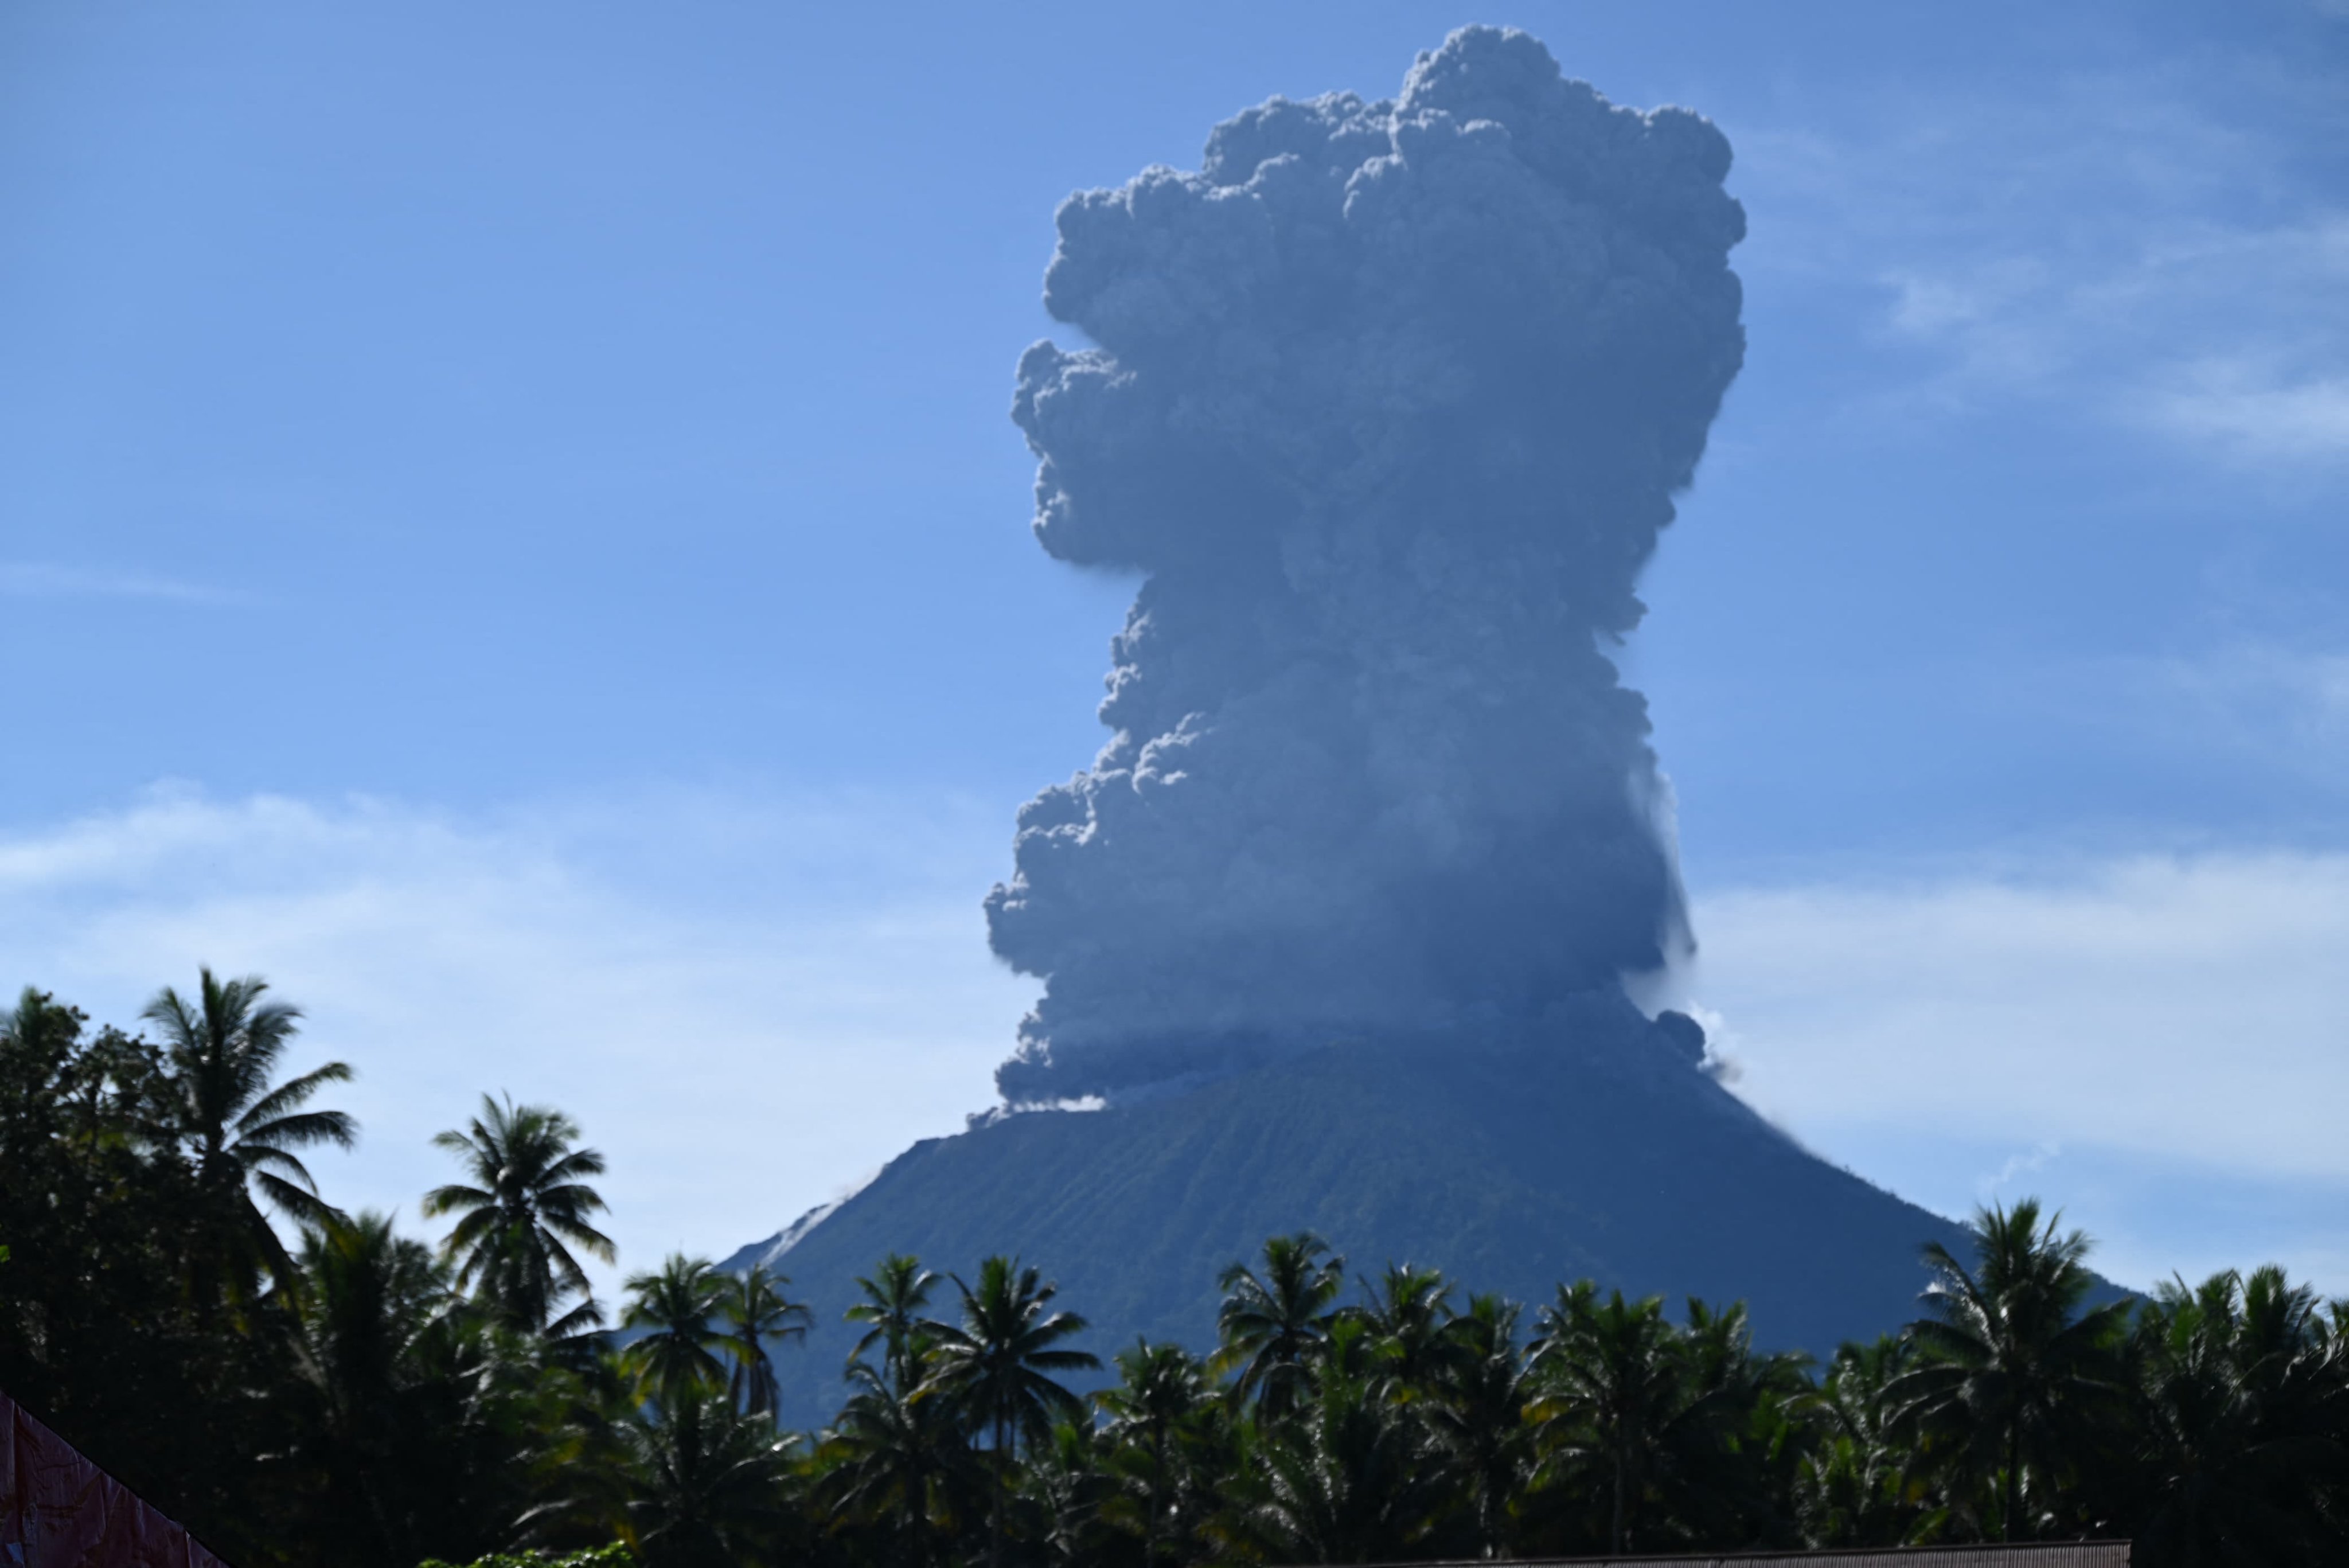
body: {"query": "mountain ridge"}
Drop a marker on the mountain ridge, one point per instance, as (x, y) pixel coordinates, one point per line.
(1514, 1164)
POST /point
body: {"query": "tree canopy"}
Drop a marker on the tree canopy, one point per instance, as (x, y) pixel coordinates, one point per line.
(180, 1299)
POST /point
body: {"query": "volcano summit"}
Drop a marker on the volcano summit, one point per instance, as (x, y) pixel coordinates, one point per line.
(1388, 403)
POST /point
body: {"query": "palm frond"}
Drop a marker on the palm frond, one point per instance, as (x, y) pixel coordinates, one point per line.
(450, 1199)
(293, 1094)
(303, 1129)
(587, 1316)
(596, 1243)
(256, 1158)
(578, 1162)
(301, 1203)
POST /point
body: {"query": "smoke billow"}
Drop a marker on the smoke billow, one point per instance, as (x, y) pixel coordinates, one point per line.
(1390, 401)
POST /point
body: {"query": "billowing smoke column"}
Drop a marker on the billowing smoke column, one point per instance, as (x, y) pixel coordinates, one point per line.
(1389, 403)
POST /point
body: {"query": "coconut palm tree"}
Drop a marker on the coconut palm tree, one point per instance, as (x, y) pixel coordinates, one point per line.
(895, 1462)
(1065, 1494)
(1725, 1469)
(708, 1483)
(1609, 1378)
(1270, 1325)
(2243, 1424)
(369, 1295)
(524, 1209)
(221, 1106)
(1409, 1315)
(895, 1295)
(994, 1365)
(1160, 1388)
(1855, 1485)
(755, 1310)
(674, 1306)
(1353, 1476)
(2009, 1369)
(1476, 1412)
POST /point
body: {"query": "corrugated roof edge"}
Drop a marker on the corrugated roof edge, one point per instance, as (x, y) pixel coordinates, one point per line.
(2021, 1554)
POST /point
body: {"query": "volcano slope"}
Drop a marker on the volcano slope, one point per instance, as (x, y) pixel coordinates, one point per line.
(1513, 1167)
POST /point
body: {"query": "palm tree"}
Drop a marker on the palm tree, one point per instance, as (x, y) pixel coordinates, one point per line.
(1609, 1378)
(895, 1461)
(708, 1483)
(1854, 1486)
(1477, 1414)
(2242, 1423)
(995, 1365)
(756, 1311)
(1409, 1317)
(1270, 1326)
(675, 1305)
(370, 1296)
(2008, 1366)
(1065, 1495)
(894, 1298)
(1160, 1388)
(526, 1201)
(1724, 1471)
(1352, 1476)
(585, 1455)
(221, 1052)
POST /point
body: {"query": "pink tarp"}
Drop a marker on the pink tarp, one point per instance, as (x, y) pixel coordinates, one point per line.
(59, 1510)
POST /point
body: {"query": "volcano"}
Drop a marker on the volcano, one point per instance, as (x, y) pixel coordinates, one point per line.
(1387, 405)
(1605, 1154)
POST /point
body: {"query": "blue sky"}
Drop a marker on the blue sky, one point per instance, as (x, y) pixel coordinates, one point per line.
(510, 529)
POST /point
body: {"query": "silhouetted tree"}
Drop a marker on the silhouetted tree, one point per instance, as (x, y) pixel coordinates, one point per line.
(1855, 1482)
(755, 1311)
(1161, 1390)
(1475, 1414)
(1270, 1325)
(526, 1207)
(2242, 1425)
(996, 1365)
(1609, 1382)
(678, 1348)
(221, 1103)
(2010, 1373)
(895, 1295)
(709, 1483)
(894, 1464)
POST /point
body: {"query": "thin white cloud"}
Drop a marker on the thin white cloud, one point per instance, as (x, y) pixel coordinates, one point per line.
(2166, 1013)
(48, 580)
(2281, 709)
(2134, 244)
(2232, 338)
(746, 1005)
(2258, 412)
(751, 1004)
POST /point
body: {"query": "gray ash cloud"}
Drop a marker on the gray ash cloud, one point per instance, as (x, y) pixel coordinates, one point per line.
(1388, 404)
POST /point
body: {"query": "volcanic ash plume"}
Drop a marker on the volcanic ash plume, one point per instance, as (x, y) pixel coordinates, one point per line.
(1389, 403)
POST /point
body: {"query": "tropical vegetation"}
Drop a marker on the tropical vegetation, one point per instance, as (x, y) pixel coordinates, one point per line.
(180, 1299)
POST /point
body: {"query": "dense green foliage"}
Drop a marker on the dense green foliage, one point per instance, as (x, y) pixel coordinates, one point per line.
(303, 1385)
